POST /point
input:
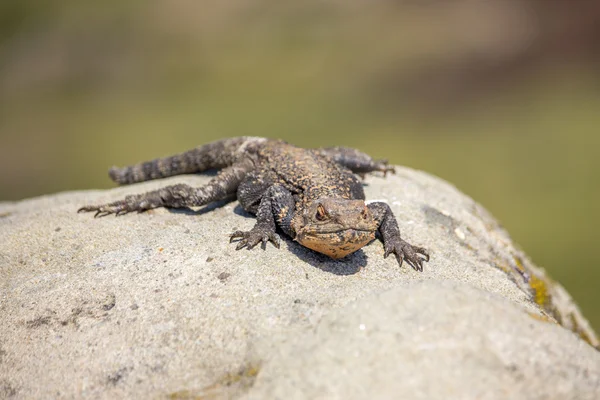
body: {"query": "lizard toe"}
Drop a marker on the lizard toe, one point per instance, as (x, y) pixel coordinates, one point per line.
(403, 251)
(274, 238)
(253, 237)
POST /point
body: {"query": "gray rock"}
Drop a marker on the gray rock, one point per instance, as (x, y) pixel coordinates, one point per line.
(431, 340)
(160, 305)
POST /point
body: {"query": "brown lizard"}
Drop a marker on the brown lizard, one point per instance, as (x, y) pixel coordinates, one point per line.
(313, 195)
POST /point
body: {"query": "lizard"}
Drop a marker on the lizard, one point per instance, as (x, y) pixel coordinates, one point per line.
(315, 196)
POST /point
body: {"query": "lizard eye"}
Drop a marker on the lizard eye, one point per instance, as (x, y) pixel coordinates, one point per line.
(321, 215)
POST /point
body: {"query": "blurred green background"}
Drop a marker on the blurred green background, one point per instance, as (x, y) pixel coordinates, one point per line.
(501, 98)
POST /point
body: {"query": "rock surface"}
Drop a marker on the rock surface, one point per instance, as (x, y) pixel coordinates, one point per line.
(160, 305)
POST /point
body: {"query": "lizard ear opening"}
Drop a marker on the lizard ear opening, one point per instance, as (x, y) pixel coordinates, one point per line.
(321, 214)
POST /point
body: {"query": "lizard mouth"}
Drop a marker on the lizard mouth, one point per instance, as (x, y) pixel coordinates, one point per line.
(336, 244)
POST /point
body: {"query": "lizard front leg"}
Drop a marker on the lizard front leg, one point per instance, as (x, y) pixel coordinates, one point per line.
(221, 187)
(392, 242)
(276, 208)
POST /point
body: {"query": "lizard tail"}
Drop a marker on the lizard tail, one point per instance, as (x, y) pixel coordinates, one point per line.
(219, 154)
(184, 163)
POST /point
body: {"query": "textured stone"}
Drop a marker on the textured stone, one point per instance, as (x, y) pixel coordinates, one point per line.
(159, 305)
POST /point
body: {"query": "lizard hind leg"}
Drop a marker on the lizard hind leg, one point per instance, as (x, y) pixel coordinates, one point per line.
(355, 160)
(171, 196)
(177, 196)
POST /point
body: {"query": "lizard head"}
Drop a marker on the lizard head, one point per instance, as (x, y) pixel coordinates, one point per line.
(335, 227)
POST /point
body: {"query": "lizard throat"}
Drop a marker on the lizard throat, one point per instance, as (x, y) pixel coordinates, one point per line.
(336, 244)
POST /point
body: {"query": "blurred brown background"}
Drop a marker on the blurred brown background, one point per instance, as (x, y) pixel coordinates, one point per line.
(500, 97)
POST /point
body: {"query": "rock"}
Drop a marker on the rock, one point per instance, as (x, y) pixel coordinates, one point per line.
(431, 340)
(160, 305)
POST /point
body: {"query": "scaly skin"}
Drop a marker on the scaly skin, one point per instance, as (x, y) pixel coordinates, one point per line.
(313, 195)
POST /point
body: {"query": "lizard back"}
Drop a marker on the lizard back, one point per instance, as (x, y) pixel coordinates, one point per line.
(310, 174)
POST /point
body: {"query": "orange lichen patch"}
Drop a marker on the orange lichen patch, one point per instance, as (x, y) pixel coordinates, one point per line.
(501, 265)
(577, 329)
(539, 285)
(185, 395)
(160, 249)
(247, 372)
(244, 378)
(540, 289)
(542, 317)
(239, 382)
(519, 263)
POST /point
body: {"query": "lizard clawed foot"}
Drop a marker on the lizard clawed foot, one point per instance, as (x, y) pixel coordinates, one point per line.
(120, 207)
(413, 255)
(105, 209)
(253, 237)
(382, 166)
